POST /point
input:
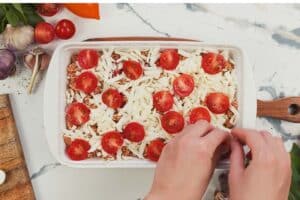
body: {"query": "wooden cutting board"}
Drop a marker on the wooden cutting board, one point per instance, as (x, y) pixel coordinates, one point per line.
(17, 185)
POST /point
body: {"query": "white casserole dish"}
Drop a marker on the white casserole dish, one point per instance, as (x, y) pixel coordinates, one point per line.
(54, 97)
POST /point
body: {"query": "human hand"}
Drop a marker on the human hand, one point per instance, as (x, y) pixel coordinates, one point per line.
(187, 163)
(268, 176)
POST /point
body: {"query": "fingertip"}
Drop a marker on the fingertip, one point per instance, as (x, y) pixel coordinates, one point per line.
(237, 132)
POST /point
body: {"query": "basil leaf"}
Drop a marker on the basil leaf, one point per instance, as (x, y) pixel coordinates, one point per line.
(3, 24)
(2, 11)
(31, 15)
(18, 7)
(12, 17)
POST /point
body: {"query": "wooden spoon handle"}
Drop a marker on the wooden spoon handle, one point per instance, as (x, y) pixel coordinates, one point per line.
(287, 109)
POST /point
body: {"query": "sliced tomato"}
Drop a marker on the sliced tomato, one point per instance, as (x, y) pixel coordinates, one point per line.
(199, 113)
(85, 144)
(111, 142)
(183, 85)
(213, 63)
(169, 59)
(163, 101)
(132, 69)
(134, 132)
(77, 113)
(172, 122)
(86, 82)
(217, 102)
(112, 98)
(154, 149)
(78, 149)
(88, 58)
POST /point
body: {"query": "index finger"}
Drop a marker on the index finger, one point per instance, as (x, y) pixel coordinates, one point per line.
(250, 137)
(199, 129)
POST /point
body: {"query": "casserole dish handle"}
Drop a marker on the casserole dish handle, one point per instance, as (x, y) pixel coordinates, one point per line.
(287, 109)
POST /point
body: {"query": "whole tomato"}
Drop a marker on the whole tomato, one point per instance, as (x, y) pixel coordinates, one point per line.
(44, 33)
(65, 29)
(47, 9)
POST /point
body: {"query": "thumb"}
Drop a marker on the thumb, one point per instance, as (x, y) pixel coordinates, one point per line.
(236, 160)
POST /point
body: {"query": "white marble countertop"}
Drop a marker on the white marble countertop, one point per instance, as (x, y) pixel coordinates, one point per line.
(270, 35)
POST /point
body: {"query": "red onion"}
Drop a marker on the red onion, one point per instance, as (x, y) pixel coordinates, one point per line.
(7, 63)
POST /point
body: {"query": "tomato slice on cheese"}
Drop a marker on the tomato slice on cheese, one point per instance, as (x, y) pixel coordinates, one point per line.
(78, 149)
(77, 113)
(111, 142)
(169, 59)
(112, 98)
(132, 69)
(134, 132)
(163, 101)
(172, 122)
(217, 102)
(199, 113)
(154, 149)
(183, 85)
(88, 58)
(86, 82)
(213, 63)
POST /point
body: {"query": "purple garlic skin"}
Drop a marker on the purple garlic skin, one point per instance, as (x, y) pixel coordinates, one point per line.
(7, 63)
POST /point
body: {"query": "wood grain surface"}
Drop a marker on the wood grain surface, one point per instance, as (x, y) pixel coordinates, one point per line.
(287, 109)
(17, 185)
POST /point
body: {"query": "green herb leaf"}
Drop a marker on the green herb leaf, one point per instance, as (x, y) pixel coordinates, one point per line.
(295, 186)
(18, 14)
(31, 15)
(3, 24)
(18, 7)
(2, 12)
(12, 17)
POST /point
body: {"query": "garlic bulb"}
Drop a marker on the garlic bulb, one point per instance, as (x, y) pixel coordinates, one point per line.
(18, 37)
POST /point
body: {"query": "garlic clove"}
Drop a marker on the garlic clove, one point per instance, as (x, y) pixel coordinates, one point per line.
(45, 60)
(29, 60)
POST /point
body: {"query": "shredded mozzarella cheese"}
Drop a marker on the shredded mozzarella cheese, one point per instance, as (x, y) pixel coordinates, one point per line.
(139, 105)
